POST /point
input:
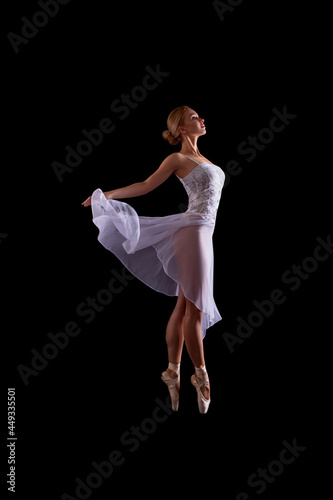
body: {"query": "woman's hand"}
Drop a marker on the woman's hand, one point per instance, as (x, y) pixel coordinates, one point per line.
(107, 194)
(87, 202)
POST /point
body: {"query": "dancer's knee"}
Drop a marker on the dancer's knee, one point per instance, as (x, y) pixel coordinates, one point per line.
(192, 311)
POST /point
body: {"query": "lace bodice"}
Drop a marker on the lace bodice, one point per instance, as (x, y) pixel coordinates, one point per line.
(204, 186)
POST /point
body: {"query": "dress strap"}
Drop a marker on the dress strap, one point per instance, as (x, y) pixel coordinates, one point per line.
(190, 158)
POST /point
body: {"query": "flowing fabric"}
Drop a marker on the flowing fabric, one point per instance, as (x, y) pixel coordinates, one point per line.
(168, 252)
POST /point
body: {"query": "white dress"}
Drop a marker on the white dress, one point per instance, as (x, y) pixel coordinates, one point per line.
(172, 251)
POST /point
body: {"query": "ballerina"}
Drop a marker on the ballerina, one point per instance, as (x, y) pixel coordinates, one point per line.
(173, 254)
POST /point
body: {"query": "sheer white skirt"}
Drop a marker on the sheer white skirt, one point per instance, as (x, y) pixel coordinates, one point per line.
(163, 252)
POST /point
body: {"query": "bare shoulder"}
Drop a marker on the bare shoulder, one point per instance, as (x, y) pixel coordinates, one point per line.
(174, 160)
(168, 166)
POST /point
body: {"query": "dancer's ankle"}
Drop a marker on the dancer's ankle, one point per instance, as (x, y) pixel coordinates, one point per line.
(201, 371)
(201, 374)
(173, 369)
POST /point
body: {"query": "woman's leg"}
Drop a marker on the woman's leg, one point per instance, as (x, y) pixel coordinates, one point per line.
(185, 324)
(193, 333)
(193, 339)
(175, 330)
(175, 341)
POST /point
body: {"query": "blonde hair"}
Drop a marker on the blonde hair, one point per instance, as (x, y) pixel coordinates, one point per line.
(174, 120)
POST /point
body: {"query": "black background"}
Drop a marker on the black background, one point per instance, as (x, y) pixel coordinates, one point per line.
(74, 411)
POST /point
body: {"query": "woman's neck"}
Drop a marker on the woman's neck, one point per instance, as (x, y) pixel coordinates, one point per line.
(189, 146)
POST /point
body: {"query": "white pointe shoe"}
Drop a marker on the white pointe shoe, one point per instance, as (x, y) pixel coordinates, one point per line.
(173, 384)
(197, 382)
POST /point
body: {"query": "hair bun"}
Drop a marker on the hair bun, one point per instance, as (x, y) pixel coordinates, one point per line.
(175, 119)
(170, 138)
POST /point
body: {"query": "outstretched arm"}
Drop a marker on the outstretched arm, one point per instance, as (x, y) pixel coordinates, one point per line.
(167, 167)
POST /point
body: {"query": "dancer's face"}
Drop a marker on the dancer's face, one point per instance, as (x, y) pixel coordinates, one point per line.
(192, 124)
